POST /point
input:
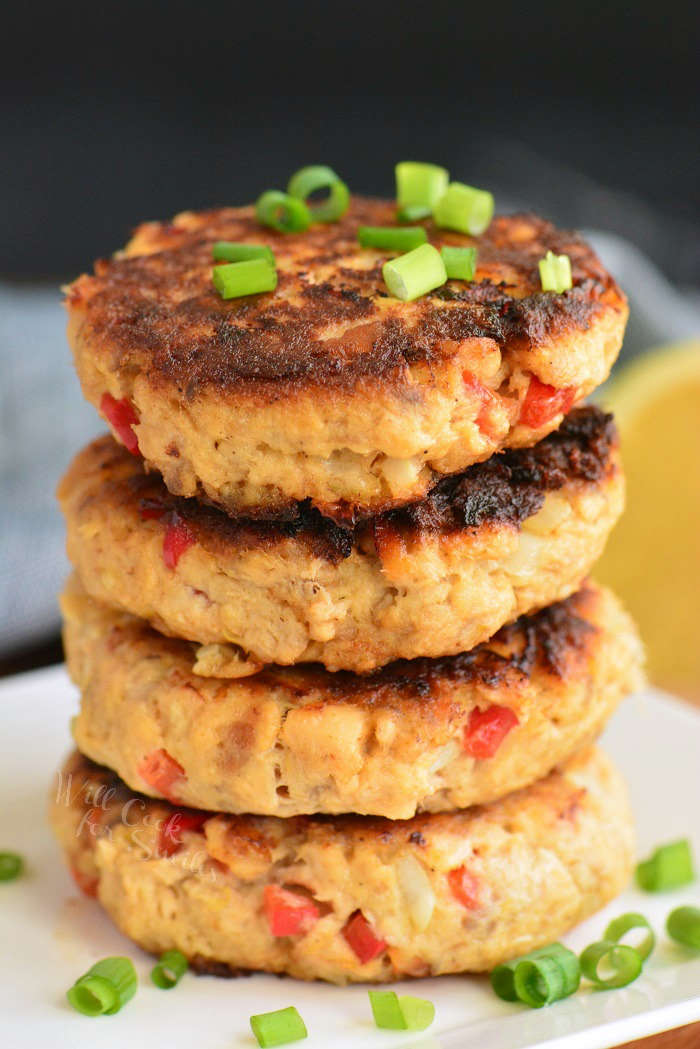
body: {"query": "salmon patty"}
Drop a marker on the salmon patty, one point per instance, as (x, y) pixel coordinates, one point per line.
(350, 898)
(435, 578)
(426, 734)
(329, 389)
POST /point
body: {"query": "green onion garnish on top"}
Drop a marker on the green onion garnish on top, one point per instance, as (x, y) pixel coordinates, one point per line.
(683, 925)
(401, 1014)
(234, 279)
(668, 867)
(104, 988)
(228, 251)
(460, 263)
(282, 212)
(619, 928)
(419, 185)
(464, 209)
(319, 177)
(609, 965)
(415, 273)
(171, 967)
(11, 866)
(555, 272)
(279, 1027)
(392, 238)
(413, 213)
(538, 978)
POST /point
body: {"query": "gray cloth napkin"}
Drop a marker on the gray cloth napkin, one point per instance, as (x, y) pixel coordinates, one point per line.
(43, 422)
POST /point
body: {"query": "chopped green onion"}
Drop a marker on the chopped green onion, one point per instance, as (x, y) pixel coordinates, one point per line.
(11, 866)
(234, 279)
(420, 184)
(609, 965)
(538, 978)
(460, 263)
(668, 867)
(465, 209)
(107, 986)
(413, 213)
(386, 1010)
(228, 251)
(311, 179)
(392, 238)
(418, 1013)
(555, 272)
(279, 1027)
(282, 212)
(619, 927)
(401, 1014)
(683, 925)
(171, 967)
(415, 274)
(93, 996)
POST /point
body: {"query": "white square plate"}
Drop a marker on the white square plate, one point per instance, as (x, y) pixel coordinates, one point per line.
(49, 934)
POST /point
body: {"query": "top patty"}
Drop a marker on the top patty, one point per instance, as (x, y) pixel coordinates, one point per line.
(328, 388)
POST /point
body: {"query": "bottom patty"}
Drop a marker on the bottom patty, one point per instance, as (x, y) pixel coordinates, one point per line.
(350, 898)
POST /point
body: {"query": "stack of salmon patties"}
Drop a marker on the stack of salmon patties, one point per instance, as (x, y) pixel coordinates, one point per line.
(341, 666)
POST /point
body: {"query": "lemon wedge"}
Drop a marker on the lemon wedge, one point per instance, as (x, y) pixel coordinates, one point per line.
(653, 557)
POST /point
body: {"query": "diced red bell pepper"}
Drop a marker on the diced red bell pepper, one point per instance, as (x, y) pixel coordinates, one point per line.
(170, 838)
(543, 402)
(161, 772)
(85, 883)
(176, 540)
(486, 730)
(288, 913)
(464, 887)
(362, 938)
(150, 509)
(122, 417)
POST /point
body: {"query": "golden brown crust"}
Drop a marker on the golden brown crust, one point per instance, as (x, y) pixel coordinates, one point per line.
(437, 577)
(201, 886)
(302, 740)
(378, 397)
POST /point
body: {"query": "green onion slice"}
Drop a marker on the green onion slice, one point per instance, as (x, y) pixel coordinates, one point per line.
(234, 279)
(683, 925)
(626, 923)
(107, 986)
(460, 263)
(93, 996)
(282, 212)
(279, 1027)
(386, 1010)
(413, 213)
(420, 184)
(171, 967)
(538, 978)
(401, 1014)
(229, 251)
(555, 272)
(314, 178)
(668, 867)
(414, 274)
(392, 238)
(11, 866)
(465, 209)
(609, 965)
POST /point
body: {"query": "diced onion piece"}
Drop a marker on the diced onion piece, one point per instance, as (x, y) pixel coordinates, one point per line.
(465, 209)
(553, 512)
(669, 867)
(278, 1028)
(288, 913)
(234, 280)
(171, 967)
(417, 891)
(524, 562)
(420, 185)
(107, 986)
(460, 263)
